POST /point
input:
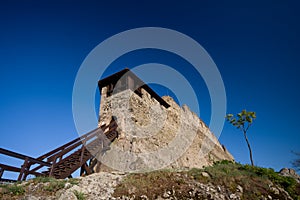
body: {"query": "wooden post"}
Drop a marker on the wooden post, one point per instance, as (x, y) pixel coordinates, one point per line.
(82, 171)
(82, 152)
(23, 169)
(1, 172)
(52, 166)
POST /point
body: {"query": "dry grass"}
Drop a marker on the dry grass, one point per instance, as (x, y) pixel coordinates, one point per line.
(255, 181)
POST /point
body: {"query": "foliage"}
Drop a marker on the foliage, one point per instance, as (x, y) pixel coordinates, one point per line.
(55, 185)
(14, 189)
(73, 181)
(296, 162)
(52, 184)
(243, 121)
(44, 179)
(287, 183)
(254, 180)
(79, 195)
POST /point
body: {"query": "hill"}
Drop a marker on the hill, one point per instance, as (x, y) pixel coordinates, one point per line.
(223, 180)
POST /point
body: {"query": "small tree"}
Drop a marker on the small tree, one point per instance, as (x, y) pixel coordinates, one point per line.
(243, 121)
(296, 162)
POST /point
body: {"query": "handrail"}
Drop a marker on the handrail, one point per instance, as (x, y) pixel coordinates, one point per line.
(23, 157)
(58, 152)
(9, 168)
(50, 159)
(75, 144)
(64, 146)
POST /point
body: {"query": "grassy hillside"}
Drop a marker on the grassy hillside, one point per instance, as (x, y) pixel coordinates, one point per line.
(223, 180)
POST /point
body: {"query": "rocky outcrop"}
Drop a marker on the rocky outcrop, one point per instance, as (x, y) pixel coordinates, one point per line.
(290, 173)
(152, 136)
(95, 186)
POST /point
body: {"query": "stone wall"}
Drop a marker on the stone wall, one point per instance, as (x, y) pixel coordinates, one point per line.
(153, 137)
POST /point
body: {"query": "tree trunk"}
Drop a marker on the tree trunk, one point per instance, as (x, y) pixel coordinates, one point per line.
(250, 151)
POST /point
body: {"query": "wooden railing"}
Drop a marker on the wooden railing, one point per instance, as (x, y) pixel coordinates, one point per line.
(27, 160)
(52, 158)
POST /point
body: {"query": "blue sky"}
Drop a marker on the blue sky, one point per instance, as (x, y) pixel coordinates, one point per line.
(254, 44)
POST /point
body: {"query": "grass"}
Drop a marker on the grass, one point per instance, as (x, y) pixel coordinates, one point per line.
(149, 183)
(55, 185)
(79, 195)
(52, 183)
(13, 189)
(73, 181)
(42, 179)
(48, 187)
(255, 181)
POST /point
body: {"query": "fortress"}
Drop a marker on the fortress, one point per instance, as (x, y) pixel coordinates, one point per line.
(154, 132)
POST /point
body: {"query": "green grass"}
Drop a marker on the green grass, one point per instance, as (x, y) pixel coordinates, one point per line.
(73, 181)
(287, 183)
(255, 181)
(55, 185)
(52, 185)
(13, 189)
(79, 195)
(49, 186)
(42, 179)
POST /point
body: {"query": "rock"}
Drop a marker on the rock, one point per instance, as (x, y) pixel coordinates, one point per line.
(68, 195)
(269, 197)
(132, 190)
(239, 189)
(290, 173)
(144, 197)
(166, 195)
(205, 174)
(3, 190)
(29, 197)
(68, 185)
(274, 190)
(234, 196)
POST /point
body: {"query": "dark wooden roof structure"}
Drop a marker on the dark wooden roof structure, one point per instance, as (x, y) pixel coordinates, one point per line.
(116, 84)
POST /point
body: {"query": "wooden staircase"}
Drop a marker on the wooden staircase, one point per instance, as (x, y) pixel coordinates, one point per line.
(63, 161)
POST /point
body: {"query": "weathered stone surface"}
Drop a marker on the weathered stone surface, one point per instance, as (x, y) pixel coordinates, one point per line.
(239, 189)
(154, 137)
(290, 173)
(98, 186)
(205, 174)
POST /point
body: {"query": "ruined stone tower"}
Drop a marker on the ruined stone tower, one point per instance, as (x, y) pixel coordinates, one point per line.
(154, 132)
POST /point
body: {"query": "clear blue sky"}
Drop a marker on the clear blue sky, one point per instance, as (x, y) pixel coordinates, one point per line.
(255, 45)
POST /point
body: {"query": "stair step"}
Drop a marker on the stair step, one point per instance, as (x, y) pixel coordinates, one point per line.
(71, 163)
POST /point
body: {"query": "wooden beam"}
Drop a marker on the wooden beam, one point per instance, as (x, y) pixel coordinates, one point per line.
(9, 168)
(23, 157)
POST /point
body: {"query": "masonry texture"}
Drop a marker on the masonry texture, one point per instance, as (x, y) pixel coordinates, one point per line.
(152, 136)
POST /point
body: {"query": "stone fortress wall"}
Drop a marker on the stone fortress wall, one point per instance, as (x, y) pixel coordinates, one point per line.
(152, 136)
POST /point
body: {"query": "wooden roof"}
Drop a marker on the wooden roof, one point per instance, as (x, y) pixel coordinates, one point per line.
(115, 77)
